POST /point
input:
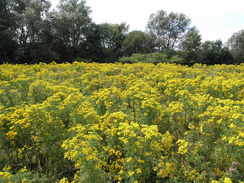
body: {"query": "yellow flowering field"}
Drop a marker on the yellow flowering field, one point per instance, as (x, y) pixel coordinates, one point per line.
(121, 123)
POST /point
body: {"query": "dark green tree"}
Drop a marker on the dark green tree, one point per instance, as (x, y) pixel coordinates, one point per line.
(29, 30)
(71, 23)
(137, 42)
(191, 46)
(112, 37)
(8, 44)
(213, 52)
(92, 49)
(236, 46)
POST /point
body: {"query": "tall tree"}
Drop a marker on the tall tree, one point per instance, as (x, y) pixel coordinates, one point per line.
(112, 37)
(167, 29)
(29, 28)
(8, 45)
(213, 52)
(191, 45)
(236, 45)
(71, 22)
(137, 42)
(92, 49)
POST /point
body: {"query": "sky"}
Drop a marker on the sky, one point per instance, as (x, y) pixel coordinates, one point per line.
(215, 19)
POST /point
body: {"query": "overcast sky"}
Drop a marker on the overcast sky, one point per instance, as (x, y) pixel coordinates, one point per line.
(215, 19)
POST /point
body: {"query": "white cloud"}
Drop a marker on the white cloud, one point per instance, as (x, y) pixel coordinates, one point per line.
(216, 19)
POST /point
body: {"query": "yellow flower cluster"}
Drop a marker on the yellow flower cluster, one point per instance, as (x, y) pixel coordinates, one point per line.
(183, 146)
(131, 123)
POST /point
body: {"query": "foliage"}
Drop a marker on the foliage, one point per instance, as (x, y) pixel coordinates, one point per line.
(213, 52)
(8, 45)
(70, 23)
(137, 42)
(191, 46)
(236, 45)
(167, 29)
(152, 58)
(29, 29)
(22, 176)
(111, 39)
(131, 123)
(31, 32)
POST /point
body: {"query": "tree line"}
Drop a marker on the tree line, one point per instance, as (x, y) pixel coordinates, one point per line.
(32, 32)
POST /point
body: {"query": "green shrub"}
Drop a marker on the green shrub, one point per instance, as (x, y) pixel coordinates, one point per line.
(152, 58)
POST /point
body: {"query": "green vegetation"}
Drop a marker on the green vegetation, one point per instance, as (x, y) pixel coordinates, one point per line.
(130, 123)
(152, 58)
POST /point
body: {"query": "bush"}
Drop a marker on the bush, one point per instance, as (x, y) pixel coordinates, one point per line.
(152, 58)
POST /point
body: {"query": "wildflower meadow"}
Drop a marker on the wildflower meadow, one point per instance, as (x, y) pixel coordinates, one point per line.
(121, 123)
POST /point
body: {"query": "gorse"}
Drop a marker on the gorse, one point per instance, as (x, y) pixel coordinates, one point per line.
(127, 123)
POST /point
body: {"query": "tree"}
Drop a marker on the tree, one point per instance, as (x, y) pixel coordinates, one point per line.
(92, 49)
(8, 45)
(191, 45)
(213, 52)
(167, 29)
(71, 22)
(112, 37)
(137, 42)
(29, 29)
(31, 20)
(236, 45)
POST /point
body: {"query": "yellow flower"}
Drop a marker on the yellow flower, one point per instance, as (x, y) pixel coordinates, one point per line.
(11, 134)
(214, 181)
(5, 174)
(64, 180)
(22, 170)
(7, 168)
(138, 171)
(130, 173)
(183, 146)
(140, 161)
(227, 180)
(25, 181)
